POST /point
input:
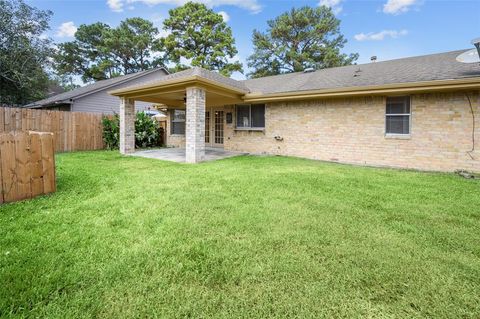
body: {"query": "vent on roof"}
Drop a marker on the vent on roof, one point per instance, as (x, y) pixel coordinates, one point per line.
(309, 70)
(373, 58)
(471, 56)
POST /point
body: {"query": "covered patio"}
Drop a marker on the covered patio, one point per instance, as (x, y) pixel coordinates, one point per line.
(193, 90)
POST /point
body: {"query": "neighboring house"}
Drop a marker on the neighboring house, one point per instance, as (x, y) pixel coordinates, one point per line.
(420, 112)
(94, 97)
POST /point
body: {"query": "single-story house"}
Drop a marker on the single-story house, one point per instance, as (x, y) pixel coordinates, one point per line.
(419, 112)
(95, 98)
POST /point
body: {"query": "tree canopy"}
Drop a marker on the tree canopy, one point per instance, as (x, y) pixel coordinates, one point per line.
(299, 39)
(100, 52)
(201, 37)
(24, 52)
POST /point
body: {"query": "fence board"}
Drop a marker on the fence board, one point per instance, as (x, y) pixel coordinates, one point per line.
(22, 156)
(48, 164)
(72, 130)
(8, 163)
(36, 164)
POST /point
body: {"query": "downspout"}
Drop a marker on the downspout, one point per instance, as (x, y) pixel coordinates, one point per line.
(473, 127)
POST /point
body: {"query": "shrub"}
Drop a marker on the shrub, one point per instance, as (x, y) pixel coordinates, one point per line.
(147, 131)
(111, 131)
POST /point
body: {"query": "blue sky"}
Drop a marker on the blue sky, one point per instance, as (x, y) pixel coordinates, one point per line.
(386, 28)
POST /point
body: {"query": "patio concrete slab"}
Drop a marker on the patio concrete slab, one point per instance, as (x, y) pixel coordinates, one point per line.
(178, 154)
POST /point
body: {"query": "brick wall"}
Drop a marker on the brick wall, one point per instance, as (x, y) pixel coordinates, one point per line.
(351, 130)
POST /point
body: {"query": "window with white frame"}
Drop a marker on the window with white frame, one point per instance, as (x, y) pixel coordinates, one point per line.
(397, 116)
(177, 122)
(250, 116)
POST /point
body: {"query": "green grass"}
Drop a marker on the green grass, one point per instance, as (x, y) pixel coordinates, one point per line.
(243, 237)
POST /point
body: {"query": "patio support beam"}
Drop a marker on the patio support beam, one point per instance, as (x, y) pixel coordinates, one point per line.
(127, 125)
(195, 126)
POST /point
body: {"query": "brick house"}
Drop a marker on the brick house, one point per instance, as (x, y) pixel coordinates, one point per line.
(419, 112)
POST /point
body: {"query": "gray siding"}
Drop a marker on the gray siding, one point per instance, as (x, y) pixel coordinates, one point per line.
(102, 102)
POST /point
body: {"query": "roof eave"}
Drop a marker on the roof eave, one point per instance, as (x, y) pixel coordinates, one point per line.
(395, 88)
(193, 80)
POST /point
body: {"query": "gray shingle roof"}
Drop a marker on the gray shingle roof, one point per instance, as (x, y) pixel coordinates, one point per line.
(206, 74)
(91, 88)
(441, 66)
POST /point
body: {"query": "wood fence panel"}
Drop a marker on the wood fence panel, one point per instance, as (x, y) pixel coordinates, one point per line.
(73, 131)
(27, 165)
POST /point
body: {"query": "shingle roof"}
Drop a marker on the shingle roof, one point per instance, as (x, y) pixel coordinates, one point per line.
(441, 66)
(206, 74)
(91, 88)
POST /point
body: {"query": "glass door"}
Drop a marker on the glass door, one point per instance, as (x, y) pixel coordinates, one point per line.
(214, 126)
(218, 128)
(207, 128)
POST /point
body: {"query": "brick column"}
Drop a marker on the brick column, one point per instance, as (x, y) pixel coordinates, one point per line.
(127, 126)
(195, 126)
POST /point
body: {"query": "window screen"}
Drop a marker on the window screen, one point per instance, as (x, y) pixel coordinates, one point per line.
(250, 116)
(258, 115)
(243, 115)
(397, 120)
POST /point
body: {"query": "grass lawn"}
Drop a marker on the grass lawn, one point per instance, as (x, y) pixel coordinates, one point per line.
(243, 237)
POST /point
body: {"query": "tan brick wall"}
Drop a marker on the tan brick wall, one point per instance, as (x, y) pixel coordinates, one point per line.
(353, 131)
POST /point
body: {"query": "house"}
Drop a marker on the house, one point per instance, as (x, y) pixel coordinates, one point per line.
(94, 97)
(419, 112)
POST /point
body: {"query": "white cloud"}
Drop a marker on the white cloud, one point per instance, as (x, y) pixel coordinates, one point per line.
(115, 5)
(379, 36)
(66, 29)
(224, 15)
(251, 5)
(335, 5)
(398, 6)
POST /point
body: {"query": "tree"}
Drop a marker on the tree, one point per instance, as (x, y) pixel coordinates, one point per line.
(200, 36)
(100, 52)
(24, 52)
(299, 39)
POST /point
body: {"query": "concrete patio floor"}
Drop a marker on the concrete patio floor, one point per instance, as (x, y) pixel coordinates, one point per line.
(178, 154)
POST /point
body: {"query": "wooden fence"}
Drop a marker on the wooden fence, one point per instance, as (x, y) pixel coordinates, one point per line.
(27, 165)
(73, 131)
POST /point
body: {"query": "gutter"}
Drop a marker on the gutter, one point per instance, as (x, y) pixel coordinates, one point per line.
(396, 88)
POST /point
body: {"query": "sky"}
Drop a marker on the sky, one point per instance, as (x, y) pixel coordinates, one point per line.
(388, 29)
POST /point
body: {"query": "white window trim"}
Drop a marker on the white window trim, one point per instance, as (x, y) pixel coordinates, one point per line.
(409, 114)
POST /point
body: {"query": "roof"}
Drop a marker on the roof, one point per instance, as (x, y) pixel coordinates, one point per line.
(441, 66)
(91, 88)
(434, 71)
(192, 73)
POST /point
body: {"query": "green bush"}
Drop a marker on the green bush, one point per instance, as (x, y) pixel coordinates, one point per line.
(147, 131)
(111, 131)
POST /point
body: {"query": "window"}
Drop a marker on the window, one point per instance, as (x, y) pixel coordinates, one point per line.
(251, 116)
(397, 120)
(178, 122)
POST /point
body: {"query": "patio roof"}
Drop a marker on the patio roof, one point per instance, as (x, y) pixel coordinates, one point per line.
(170, 90)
